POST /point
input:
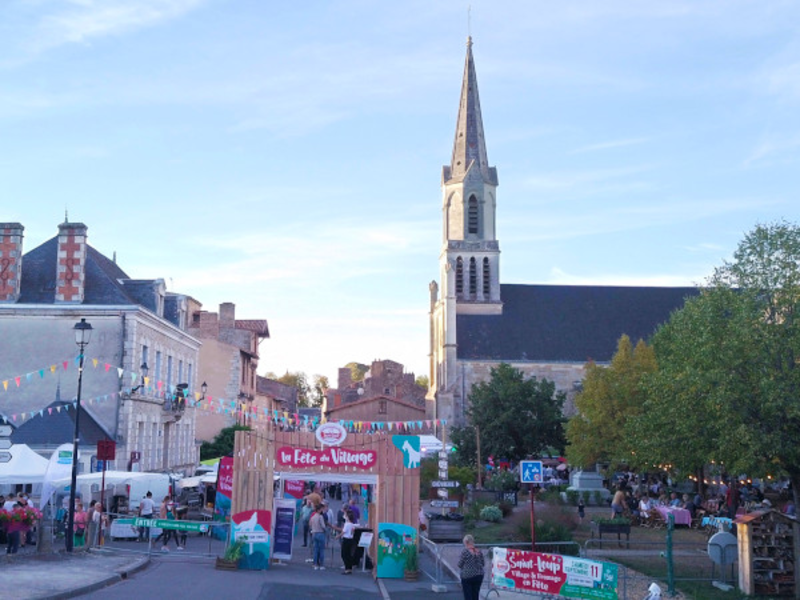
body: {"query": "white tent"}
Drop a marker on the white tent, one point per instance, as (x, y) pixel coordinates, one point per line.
(25, 466)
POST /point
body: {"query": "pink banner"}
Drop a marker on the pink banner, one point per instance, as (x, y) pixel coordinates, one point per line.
(327, 457)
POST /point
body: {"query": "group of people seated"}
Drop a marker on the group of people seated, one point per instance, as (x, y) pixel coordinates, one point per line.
(640, 502)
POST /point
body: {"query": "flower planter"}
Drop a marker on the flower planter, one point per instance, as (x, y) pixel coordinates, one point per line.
(226, 565)
(411, 575)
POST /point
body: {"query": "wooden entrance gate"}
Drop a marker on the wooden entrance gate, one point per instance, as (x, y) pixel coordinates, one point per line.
(396, 494)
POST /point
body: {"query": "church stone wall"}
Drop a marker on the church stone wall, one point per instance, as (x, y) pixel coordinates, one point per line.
(566, 376)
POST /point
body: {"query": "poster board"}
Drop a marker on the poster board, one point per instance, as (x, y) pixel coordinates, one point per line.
(567, 576)
(284, 528)
(253, 526)
(394, 543)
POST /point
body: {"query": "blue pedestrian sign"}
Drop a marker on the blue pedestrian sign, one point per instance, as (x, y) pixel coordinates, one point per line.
(530, 471)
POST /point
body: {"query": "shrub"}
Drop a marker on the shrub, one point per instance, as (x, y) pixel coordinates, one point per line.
(553, 524)
(552, 495)
(503, 481)
(572, 497)
(598, 497)
(491, 513)
(473, 511)
(585, 494)
(506, 508)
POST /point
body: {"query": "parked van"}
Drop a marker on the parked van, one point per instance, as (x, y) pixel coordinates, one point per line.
(130, 485)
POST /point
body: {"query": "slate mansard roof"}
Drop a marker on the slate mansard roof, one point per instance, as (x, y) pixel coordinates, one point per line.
(565, 323)
(38, 282)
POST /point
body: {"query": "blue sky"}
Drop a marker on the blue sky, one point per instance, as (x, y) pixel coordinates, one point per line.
(286, 156)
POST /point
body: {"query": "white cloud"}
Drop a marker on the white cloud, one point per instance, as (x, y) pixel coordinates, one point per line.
(82, 20)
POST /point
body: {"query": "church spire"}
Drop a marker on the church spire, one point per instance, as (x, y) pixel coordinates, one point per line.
(469, 147)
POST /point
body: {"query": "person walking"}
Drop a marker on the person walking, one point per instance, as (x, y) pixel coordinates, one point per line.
(471, 565)
(348, 542)
(146, 509)
(317, 527)
(79, 523)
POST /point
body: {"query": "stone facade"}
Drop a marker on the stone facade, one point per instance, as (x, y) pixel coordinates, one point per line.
(63, 281)
(384, 378)
(228, 359)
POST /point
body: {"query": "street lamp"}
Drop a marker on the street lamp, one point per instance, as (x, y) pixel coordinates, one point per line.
(143, 369)
(83, 333)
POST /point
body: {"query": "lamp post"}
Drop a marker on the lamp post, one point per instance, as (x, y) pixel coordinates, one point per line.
(83, 333)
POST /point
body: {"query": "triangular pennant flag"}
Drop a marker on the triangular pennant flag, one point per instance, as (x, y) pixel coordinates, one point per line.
(5, 385)
(28, 376)
(108, 366)
(120, 371)
(94, 364)
(17, 379)
(41, 373)
(66, 362)
(50, 411)
(53, 368)
(58, 409)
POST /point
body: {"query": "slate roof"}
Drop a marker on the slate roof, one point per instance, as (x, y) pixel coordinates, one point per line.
(565, 323)
(58, 427)
(38, 283)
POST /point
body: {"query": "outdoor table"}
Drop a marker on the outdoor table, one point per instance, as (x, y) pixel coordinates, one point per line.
(682, 516)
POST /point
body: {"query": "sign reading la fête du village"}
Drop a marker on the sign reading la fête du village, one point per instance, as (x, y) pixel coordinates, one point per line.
(332, 456)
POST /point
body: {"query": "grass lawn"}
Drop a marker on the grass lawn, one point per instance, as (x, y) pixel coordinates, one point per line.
(644, 556)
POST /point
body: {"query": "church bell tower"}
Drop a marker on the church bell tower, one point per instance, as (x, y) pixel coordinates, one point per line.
(469, 261)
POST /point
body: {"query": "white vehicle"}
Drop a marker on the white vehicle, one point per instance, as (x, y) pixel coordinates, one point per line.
(132, 485)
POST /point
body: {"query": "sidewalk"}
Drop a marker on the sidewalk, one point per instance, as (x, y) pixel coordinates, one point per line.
(63, 575)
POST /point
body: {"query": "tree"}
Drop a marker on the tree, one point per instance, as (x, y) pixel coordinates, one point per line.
(732, 354)
(298, 380)
(222, 444)
(423, 380)
(357, 370)
(610, 397)
(517, 417)
(318, 389)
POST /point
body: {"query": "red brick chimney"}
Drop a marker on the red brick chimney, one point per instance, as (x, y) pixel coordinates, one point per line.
(71, 266)
(10, 261)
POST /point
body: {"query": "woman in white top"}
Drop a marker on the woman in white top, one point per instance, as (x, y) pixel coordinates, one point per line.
(348, 542)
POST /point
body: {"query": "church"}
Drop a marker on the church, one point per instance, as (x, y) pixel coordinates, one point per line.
(476, 323)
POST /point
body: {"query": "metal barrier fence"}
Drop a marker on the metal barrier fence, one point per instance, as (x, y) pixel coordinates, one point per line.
(122, 534)
(440, 566)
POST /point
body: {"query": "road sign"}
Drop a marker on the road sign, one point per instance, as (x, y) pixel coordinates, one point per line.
(5, 457)
(443, 464)
(444, 474)
(444, 503)
(530, 471)
(5, 430)
(5, 443)
(442, 493)
(445, 484)
(443, 454)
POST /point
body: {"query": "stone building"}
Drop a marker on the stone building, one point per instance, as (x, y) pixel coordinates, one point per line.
(279, 396)
(384, 378)
(547, 331)
(228, 361)
(43, 294)
(376, 408)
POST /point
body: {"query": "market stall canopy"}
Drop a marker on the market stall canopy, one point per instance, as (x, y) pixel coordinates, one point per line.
(25, 466)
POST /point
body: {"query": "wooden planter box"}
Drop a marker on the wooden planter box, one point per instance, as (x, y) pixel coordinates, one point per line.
(598, 529)
(443, 530)
(226, 565)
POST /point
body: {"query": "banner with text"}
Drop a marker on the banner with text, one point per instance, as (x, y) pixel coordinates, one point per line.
(332, 456)
(567, 576)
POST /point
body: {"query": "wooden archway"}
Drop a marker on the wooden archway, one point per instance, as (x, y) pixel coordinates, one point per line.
(396, 497)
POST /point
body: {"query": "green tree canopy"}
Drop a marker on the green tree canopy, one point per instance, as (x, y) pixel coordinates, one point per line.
(610, 397)
(318, 389)
(517, 417)
(357, 370)
(423, 381)
(299, 380)
(728, 382)
(222, 444)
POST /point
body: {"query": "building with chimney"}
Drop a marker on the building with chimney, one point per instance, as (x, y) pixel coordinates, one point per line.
(140, 364)
(228, 361)
(476, 323)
